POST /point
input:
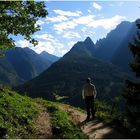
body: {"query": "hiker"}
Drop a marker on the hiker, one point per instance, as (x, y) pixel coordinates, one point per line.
(89, 94)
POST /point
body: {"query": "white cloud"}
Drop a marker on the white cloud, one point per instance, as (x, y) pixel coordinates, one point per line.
(106, 23)
(46, 42)
(71, 24)
(71, 35)
(23, 43)
(44, 46)
(71, 44)
(49, 43)
(84, 19)
(97, 6)
(68, 13)
(64, 26)
(59, 18)
(44, 36)
(88, 21)
(64, 52)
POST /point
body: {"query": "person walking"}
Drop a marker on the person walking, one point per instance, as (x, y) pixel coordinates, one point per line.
(89, 94)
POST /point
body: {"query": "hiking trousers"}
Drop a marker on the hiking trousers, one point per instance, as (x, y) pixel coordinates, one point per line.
(90, 106)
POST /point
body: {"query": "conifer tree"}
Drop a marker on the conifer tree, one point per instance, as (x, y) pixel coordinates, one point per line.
(132, 88)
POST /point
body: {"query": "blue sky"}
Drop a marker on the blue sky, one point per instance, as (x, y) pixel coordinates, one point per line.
(72, 21)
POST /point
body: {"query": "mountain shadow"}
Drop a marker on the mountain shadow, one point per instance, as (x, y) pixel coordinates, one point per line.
(20, 65)
(66, 77)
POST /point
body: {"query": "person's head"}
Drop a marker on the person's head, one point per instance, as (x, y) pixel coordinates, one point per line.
(88, 80)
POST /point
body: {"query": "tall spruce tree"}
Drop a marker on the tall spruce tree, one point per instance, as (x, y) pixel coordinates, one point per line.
(132, 88)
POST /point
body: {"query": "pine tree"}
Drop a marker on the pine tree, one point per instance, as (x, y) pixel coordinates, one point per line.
(132, 88)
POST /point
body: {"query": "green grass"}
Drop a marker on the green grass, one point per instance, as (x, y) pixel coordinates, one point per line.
(62, 125)
(106, 112)
(16, 115)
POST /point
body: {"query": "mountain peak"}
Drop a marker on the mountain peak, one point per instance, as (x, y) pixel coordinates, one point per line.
(88, 40)
(48, 57)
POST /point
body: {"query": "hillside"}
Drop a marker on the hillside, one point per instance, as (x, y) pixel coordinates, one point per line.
(123, 50)
(22, 117)
(20, 65)
(66, 77)
(49, 57)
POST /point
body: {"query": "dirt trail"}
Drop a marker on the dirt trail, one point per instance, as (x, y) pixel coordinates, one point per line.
(43, 124)
(94, 129)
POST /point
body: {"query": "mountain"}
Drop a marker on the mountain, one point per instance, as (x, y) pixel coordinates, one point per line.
(66, 77)
(49, 57)
(8, 75)
(123, 56)
(90, 45)
(107, 47)
(20, 65)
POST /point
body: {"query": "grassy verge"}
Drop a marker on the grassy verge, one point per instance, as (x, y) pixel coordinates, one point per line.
(62, 125)
(16, 115)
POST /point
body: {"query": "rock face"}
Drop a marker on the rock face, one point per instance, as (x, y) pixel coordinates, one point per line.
(114, 41)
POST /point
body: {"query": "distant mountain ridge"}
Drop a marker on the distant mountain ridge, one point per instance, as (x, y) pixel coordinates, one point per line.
(67, 76)
(20, 65)
(49, 57)
(123, 56)
(106, 48)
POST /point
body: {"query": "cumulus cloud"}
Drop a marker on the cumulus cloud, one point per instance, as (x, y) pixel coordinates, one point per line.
(23, 43)
(44, 36)
(71, 24)
(59, 18)
(68, 13)
(71, 35)
(44, 46)
(64, 26)
(106, 23)
(97, 6)
(88, 21)
(47, 43)
(84, 19)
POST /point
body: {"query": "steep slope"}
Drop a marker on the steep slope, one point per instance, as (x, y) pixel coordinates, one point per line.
(107, 47)
(67, 76)
(26, 62)
(22, 117)
(49, 57)
(20, 65)
(123, 56)
(8, 75)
